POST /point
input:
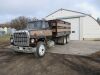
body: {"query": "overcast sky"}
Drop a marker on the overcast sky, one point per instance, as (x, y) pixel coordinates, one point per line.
(10, 9)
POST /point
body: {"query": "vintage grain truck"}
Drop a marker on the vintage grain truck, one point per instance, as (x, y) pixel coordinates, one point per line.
(40, 35)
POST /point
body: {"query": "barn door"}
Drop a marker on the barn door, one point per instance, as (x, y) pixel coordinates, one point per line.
(75, 32)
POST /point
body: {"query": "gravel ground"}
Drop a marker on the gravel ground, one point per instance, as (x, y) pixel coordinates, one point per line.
(51, 63)
(77, 48)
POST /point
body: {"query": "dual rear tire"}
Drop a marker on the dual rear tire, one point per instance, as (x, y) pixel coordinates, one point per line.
(67, 39)
(63, 40)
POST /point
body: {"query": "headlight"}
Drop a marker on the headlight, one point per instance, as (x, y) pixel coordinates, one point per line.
(32, 40)
(11, 40)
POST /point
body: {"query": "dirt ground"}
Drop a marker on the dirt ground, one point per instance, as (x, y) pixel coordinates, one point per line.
(51, 64)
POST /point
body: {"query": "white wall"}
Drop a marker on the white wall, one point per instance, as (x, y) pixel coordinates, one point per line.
(91, 29)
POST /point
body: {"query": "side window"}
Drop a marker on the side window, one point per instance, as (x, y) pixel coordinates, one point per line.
(45, 25)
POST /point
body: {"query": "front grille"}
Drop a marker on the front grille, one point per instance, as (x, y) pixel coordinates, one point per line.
(21, 39)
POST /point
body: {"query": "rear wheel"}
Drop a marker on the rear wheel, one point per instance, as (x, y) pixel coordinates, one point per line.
(62, 40)
(40, 50)
(67, 39)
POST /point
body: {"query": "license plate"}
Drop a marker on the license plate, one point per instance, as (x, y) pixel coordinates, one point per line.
(20, 48)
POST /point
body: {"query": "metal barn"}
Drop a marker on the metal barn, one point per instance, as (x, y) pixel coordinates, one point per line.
(83, 26)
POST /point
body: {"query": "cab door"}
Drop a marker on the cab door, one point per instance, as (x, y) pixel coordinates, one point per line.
(46, 29)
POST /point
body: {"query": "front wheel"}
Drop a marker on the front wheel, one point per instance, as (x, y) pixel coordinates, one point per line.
(40, 50)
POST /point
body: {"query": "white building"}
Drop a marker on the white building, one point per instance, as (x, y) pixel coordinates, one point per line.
(5, 29)
(83, 26)
(2, 32)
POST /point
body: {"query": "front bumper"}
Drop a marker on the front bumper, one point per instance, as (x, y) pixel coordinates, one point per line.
(23, 49)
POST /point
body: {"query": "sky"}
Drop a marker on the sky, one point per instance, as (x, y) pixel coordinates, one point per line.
(10, 9)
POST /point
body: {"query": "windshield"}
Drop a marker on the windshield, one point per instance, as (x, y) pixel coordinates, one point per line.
(35, 25)
(38, 25)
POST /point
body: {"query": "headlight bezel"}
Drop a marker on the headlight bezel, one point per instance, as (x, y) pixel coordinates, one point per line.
(32, 40)
(11, 40)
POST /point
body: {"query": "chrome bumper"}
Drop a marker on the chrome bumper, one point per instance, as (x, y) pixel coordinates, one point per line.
(23, 49)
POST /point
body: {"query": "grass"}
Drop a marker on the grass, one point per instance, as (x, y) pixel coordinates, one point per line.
(4, 40)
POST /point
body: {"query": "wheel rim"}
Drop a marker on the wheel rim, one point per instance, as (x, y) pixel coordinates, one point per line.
(42, 50)
(64, 40)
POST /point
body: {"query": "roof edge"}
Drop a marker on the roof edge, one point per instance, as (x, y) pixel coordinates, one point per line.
(66, 10)
(72, 11)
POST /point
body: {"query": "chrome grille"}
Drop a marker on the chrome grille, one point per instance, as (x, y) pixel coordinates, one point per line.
(21, 39)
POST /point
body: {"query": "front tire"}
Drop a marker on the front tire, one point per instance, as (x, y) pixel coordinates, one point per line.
(40, 50)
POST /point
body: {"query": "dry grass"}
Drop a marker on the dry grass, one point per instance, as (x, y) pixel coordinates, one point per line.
(4, 40)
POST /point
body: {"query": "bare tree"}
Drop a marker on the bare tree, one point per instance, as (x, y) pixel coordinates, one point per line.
(20, 22)
(5, 25)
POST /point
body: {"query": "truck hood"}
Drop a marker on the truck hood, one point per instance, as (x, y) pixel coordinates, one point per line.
(21, 31)
(29, 30)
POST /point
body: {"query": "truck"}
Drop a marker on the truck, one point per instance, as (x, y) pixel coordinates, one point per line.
(40, 35)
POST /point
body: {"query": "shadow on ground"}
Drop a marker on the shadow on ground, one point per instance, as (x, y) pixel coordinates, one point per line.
(52, 64)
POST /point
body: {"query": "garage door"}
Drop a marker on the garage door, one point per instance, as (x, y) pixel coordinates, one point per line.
(74, 28)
